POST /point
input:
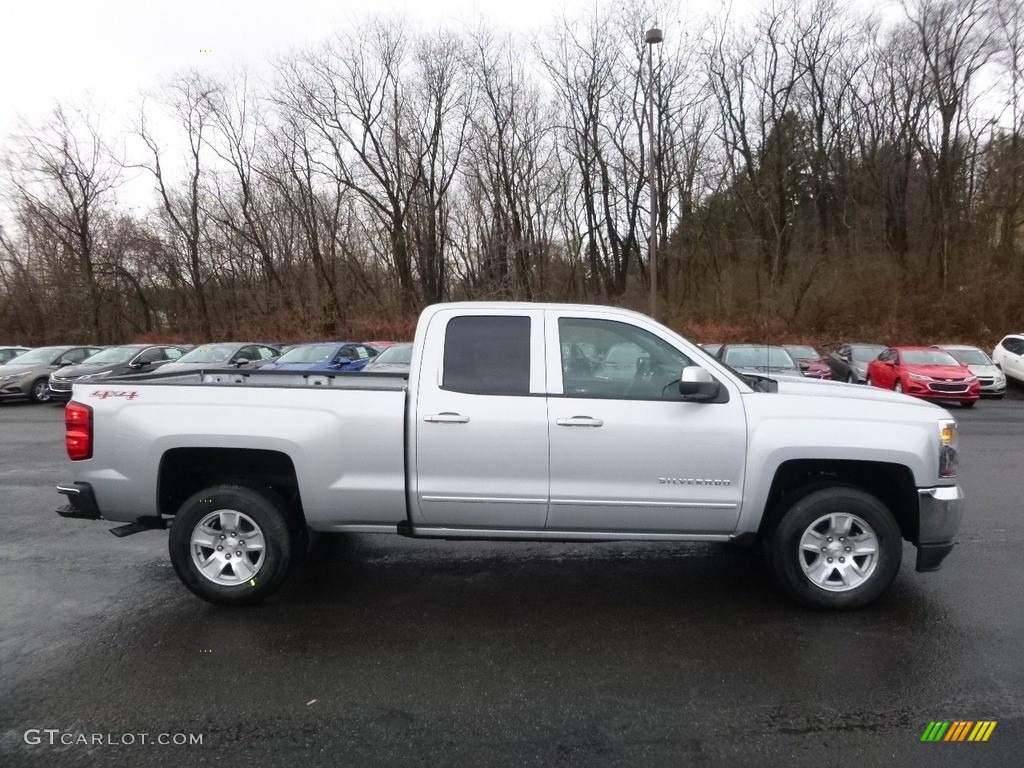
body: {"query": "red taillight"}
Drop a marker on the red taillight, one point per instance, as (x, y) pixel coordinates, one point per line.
(78, 431)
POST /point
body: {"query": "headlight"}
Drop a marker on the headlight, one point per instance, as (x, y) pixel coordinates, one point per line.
(948, 454)
(87, 376)
(919, 377)
(971, 379)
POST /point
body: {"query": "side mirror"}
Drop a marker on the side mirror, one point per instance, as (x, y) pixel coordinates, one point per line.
(890, 363)
(63, 363)
(696, 385)
(805, 366)
(242, 361)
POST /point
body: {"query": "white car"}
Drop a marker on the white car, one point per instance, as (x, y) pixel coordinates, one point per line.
(1009, 355)
(993, 382)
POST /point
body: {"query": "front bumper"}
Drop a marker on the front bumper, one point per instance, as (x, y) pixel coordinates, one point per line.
(940, 511)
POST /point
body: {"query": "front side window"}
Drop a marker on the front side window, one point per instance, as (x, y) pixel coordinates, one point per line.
(486, 355)
(606, 358)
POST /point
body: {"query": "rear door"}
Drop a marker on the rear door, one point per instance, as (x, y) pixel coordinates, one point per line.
(479, 423)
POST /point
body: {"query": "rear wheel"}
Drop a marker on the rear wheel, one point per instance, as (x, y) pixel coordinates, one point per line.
(231, 545)
(836, 547)
(40, 392)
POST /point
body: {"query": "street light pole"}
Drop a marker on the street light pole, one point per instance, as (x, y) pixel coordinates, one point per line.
(653, 37)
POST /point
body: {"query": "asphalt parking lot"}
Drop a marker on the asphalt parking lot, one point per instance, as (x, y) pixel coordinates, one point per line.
(385, 651)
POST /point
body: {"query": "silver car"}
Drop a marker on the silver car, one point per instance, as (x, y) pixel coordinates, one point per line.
(28, 375)
(993, 380)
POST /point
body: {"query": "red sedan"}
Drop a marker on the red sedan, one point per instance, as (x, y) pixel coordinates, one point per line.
(810, 360)
(926, 372)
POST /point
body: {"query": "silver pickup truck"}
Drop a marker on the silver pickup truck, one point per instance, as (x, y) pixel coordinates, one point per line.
(526, 422)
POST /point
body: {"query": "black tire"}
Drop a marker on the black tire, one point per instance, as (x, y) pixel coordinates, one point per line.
(968, 404)
(897, 386)
(787, 560)
(40, 392)
(263, 513)
(851, 378)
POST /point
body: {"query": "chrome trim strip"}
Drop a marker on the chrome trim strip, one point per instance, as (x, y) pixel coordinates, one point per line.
(65, 490)
(484, 499)
(679, 504)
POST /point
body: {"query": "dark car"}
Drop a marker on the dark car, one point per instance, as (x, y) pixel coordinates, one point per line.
(113, 361)
(222, 355)
(9, 353)
(324, 356)
(849, 362)
(396, 358)
(759, 359)
(28, 375)
(810, 360)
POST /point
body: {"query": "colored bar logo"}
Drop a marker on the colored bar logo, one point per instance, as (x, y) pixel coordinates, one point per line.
(959, 730)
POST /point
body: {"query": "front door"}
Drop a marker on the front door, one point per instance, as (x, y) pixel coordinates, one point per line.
(626, 454)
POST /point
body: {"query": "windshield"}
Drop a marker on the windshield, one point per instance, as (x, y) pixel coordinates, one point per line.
(804, 353)
(213, 353)
(312, 353)
(112, 356)
(970, 356)
(928, 357)
(399, 354)
(42, 356)
(866, 353)
(758, 357)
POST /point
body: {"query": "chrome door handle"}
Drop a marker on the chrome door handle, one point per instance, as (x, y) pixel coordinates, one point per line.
(579, 421)
(446, 418)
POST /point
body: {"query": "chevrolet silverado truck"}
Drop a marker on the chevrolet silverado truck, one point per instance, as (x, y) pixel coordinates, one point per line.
(520, 422)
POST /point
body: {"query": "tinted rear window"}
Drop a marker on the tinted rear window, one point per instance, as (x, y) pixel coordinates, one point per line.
(487, 355)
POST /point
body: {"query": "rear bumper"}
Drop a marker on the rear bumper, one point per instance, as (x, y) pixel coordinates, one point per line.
(940, 511)
(81, 501)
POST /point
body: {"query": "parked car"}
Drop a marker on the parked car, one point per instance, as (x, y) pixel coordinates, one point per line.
(323, 356)
(811, 361)
(28, 375)
(992, 380)
(396, 358)
(113, 361)
(1009, 356)
(9, 353)
(849, 362)
(926, 372)
(759, 359)
(711, 348)
(228, 354)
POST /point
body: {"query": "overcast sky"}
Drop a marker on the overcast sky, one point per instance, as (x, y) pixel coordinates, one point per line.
(60, 49)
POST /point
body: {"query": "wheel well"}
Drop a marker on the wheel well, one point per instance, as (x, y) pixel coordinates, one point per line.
(892, 484)
(184, 471)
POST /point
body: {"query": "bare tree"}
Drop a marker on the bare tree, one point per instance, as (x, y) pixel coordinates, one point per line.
(62, 175)
(190, 100)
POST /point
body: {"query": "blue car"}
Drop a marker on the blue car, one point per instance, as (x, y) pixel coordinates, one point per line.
(324, 356)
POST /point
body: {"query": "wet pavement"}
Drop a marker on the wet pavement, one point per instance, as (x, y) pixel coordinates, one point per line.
(386, 651)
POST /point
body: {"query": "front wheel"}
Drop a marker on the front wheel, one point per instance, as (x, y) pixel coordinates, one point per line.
(836, 547)
(898, 387)
(231, 545)
(40, 392)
